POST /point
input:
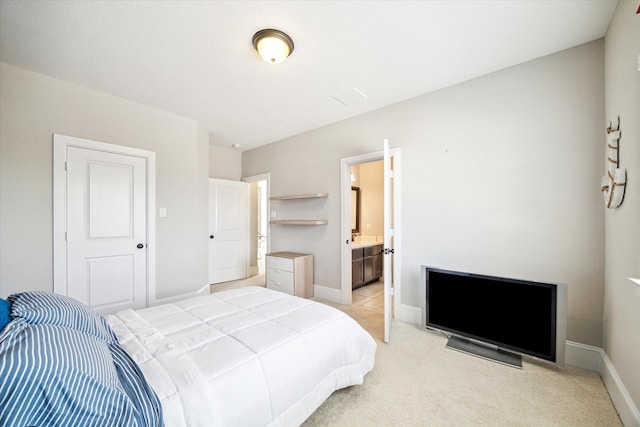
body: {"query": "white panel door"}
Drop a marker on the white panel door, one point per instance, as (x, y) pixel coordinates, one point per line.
(106, 229)
(228, 230)
(388, 242)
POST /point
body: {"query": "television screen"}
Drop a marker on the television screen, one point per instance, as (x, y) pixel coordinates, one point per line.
(516, 315)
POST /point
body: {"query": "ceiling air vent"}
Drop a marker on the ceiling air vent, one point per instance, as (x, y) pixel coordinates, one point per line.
(354, 96)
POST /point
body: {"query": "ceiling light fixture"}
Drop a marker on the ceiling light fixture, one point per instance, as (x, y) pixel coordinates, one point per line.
(274, 46)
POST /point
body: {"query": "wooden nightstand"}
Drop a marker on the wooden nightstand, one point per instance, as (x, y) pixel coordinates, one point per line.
(290, 272)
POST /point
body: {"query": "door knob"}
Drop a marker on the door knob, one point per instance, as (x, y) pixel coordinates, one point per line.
(211, 236)
(140, 246)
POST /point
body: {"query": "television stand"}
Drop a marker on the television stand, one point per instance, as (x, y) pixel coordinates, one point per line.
(487, 352)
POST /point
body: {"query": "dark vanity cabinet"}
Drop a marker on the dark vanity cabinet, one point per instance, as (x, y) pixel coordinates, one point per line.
(366, 265)
(357, 268)
(372, 263)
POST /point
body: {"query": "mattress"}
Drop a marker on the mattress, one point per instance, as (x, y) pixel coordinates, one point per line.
(244, 357)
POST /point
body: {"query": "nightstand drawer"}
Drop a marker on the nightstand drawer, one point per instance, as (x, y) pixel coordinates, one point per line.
(279, 263)
(280, 280)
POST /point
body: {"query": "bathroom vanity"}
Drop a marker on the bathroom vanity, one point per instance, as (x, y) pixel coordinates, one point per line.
(366, 263)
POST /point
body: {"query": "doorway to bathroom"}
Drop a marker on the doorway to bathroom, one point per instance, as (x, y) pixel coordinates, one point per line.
(361, 230)
(367, 235)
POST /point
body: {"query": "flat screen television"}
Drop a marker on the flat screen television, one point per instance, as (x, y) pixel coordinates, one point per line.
(495, 317)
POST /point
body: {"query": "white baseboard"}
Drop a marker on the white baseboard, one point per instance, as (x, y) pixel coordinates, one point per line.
(595, 359)
(327, 294)
(409, 314)
(583, 356)
(627, 410)
(201, 291)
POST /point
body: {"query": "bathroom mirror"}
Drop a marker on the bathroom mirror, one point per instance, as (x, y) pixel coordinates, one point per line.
(355, 209)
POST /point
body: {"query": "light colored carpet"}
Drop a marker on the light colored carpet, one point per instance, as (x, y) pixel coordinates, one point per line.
(417, 381)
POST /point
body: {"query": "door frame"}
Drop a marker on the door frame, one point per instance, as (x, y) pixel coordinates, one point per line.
(256, 178)
(60, 145)
(345, 223)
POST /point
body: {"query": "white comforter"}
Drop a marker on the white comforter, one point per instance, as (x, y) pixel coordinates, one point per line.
(244, 357)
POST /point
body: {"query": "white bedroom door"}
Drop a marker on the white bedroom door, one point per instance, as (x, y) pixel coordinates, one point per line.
(388, 242)
(106, 235)
(228, 230)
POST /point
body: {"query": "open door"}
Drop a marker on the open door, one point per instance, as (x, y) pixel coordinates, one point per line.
(228, 230)
(388, 241)
(392, 234)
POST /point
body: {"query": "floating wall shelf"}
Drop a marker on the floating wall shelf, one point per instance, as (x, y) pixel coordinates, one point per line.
(301, 196)
(300, 221)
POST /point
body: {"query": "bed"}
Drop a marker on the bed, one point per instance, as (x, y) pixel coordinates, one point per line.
(243, 357)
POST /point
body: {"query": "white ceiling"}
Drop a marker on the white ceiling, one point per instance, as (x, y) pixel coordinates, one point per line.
(195, 58)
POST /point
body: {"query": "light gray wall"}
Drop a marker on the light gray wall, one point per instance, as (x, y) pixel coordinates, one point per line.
(622, 255)
(372, 198)
(225, 163)
(500, 176)
(32, 108)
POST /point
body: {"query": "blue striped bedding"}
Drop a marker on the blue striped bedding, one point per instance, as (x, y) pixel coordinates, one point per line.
(62, 365)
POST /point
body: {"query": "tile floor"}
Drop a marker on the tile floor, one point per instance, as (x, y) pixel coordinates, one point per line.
(370, 297)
